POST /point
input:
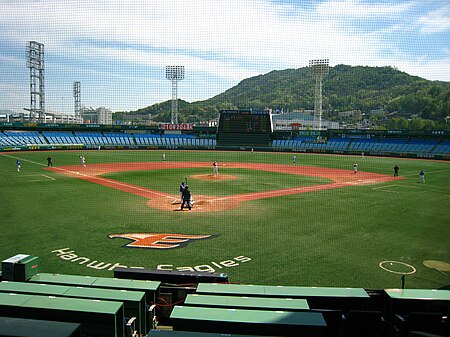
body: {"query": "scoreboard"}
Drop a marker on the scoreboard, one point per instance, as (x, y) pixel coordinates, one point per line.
(245, 121)
(244, 128)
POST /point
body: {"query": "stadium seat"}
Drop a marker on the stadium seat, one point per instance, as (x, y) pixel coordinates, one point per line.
(429, 322)
(334, 320)
(363, 323)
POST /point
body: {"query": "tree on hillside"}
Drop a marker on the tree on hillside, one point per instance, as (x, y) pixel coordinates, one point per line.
(345, 88)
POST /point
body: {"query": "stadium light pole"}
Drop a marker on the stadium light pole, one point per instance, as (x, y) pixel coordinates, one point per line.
(77, 101)
(319, 69)
(174, 74)
(35, 62)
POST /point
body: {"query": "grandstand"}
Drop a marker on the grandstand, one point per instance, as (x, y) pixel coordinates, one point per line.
(430, 144)
(394, 147)
(21, 138)
(109, 140)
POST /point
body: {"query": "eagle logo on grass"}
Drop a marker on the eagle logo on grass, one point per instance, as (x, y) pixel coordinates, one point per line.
(158, 241)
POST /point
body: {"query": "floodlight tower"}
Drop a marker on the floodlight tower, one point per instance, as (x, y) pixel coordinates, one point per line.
(174, 74)
(319, 69)
(77, 99)
(35, 62)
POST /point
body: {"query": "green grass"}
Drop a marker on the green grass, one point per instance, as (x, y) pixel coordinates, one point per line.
(327, 238)
(247, 180)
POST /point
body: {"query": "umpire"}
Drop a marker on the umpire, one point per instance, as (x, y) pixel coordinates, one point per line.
(186, 196)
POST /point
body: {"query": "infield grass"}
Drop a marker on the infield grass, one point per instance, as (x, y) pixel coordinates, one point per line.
(326, 238)
(246, 180)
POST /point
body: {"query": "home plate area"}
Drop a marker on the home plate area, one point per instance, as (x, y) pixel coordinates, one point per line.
(201, 203)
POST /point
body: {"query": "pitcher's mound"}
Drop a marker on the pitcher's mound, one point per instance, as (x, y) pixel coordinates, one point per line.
(213, 177)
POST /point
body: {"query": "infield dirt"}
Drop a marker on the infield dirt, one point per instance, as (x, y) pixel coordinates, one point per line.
(203, 203)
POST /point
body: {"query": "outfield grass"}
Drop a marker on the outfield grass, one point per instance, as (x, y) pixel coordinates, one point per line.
(327, 238)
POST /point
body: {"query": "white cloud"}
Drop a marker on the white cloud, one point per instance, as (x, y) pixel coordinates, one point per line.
(436, 21)
(257, 33)
(359, 9)
(219, 42)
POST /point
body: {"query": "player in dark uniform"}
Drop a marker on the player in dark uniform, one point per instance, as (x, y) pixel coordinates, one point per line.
(186, 196)
(181, 191)
(396, 168)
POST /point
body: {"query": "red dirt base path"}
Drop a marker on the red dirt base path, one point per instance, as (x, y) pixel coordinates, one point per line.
(202, 203)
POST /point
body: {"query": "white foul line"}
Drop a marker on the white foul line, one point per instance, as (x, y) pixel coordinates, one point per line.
(30, 161)
(377, 188)
(115, 182)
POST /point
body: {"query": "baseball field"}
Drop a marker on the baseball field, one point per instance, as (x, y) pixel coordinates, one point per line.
(261, 220)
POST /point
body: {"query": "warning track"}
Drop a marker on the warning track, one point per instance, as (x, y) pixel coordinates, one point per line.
(165, 201)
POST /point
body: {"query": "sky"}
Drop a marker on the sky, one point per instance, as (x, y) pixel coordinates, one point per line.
(118, 49)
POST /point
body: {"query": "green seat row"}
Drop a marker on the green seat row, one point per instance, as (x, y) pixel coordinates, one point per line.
(134, 301)
(151, 288)
(97, 318)
(22, 327)
(329, 302)
(279, 291)
(318, 297)
(244, 302)
(244, 321)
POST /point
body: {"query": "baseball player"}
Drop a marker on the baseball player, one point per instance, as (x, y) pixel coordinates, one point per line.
(182, 186)
(422, 176)
(186, 196)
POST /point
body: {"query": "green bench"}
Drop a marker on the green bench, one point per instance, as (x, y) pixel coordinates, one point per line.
(414, 309)
(133, 301)
(243, 302)
(243, 321)
(318, 297)
(332, 317)
(22, 327)
(151, 288)
(98, 318)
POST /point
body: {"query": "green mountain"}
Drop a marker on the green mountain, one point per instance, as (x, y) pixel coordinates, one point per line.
(344, 88)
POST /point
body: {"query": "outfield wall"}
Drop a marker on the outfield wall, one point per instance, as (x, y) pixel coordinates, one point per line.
(52, 147)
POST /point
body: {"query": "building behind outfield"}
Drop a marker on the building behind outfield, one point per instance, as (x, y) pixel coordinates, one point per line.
(298, 121)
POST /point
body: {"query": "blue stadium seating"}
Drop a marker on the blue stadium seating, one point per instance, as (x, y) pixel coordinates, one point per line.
(421, 147)
(21, 138)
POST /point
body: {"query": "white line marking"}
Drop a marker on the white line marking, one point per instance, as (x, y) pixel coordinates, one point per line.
(392, 264)
(22, 159)
(96, 177)
(442, 272)
(380, 187)
(48, 177)
(387, 186)
(114, 182)
(405, 186)
(431, 172)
